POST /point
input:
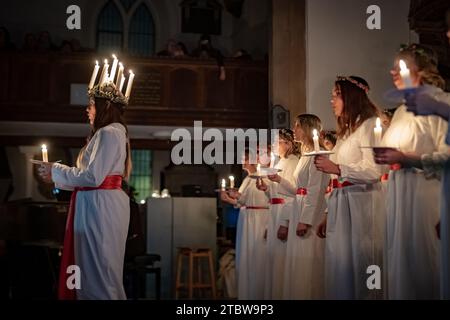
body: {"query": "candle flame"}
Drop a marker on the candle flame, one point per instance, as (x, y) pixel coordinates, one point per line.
(44, 147)
(120, 64)
(114, 56)
(378, 122)
(315, 133)
(231, 177)
(96, 62)
(131, 72)
(106, 61)
(403, 66)
(258, 167)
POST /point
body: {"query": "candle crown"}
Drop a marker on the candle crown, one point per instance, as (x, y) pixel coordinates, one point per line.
(109, 90)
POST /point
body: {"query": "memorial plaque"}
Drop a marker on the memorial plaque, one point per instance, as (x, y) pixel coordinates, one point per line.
(147, 89)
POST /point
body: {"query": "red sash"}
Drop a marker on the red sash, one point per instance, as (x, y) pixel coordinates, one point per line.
(68, 256)
(302, 191)
(277, 201)
(336, 184)
(393, 167)
(256, 208)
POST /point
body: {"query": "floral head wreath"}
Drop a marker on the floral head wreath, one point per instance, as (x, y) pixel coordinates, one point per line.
(288, 133)
(353, 81)
(413, 48)
(108, 91)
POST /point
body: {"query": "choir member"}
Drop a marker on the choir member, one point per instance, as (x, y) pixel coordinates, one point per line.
(251, 246)
(354, 223)
(280, 209)
(413, 187)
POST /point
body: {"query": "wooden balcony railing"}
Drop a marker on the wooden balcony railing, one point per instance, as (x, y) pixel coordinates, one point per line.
(171, 92)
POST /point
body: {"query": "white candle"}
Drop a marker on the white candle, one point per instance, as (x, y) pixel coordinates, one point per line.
(94, 75)
(119, 75)
(316, 141)
(258, 169)
(224, 184)
(104, 75)
(231, 181)
(378, 132)
(113, 69)
(122, 81)
(405, 74)
(44, 153)
(272, 159)
(129, 85)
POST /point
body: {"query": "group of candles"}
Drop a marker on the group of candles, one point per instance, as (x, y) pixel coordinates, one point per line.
(224, 183)
(105, 77)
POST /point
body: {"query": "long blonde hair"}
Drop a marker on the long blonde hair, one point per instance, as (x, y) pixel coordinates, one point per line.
(309, 122)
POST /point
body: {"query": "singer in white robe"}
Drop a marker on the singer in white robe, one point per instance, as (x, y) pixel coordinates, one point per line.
(354, 235)
(101, 216)
(413, 209)
(279, 216)
(304, 266)
(251, 247)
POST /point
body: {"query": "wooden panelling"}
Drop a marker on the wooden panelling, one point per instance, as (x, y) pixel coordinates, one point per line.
(170, 92)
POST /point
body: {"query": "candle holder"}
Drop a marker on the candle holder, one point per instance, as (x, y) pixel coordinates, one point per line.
(317, 153)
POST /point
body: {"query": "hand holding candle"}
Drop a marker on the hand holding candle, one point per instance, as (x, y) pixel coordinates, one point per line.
(44, 153)
(316, 141)
(378, 132)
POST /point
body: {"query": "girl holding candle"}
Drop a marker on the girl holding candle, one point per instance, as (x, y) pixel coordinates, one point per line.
(251, 247)
(281, 201)
(97, 224)
(354, 223)
(303, 273)
(413, 187)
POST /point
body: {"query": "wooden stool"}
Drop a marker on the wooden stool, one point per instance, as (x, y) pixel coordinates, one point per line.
(192, 254)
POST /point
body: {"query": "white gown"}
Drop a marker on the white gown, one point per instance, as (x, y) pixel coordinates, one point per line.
(354, 238)
(304, 267)
(413, 209)
(101, 216)
(279, 215)
(251, 247)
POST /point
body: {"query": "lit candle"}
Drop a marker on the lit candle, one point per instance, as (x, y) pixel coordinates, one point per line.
(224, 184)
(113, 69)
(104, 75)
(405, 74)
(316, 141)
(119, 75)
(94, 75)
(122, 81)
(378, 132)
(44, 153)
(258, 169)
(129, 85)
(231, 181)
(272, 159)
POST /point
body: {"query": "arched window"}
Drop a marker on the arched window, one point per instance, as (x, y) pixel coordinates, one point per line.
(111, 26)
(141, 33)
(110, 29)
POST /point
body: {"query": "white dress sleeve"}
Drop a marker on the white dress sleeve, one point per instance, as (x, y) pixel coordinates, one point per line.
(315, 195)
(365, 171)
(105, 154)
(288, 185)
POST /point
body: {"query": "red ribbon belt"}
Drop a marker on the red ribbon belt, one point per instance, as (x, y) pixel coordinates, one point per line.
(336, 184)
(256, 208)
(393, 167)
(302, 191)
(277, 201)
(68, 256)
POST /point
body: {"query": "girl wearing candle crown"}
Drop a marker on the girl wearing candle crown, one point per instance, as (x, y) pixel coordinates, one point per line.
(353, 233)
(413, 187)
(98, 219)
(251, 247)
(303, 273)
(281, 201)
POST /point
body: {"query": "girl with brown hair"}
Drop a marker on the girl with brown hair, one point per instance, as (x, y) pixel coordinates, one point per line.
(354, 225)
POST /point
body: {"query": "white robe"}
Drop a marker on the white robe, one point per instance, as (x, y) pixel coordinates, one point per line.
(413, 209)
(279, 215)
(354, 236)
(251, 247)
(304, 266)
(101, 216)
